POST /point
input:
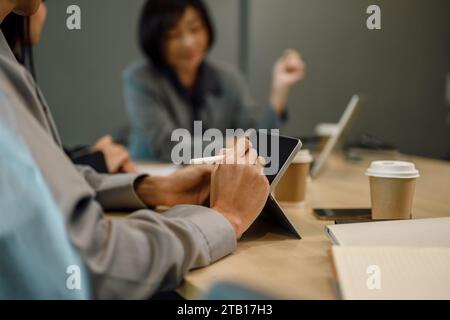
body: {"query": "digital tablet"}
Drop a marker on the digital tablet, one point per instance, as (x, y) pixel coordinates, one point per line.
(278, 151)
(283, 153)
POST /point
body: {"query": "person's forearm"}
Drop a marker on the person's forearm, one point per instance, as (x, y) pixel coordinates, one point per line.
(234, 220)
(153, 191)
(114, 192)
(279, 99)
(135, 257)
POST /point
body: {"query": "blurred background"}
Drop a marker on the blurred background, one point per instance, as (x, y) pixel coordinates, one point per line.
(401, 69)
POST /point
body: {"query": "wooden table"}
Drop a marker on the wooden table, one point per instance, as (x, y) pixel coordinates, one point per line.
(271, 261)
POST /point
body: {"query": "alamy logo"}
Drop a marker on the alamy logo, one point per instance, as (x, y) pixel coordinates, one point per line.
(374, 20)
(211, 142)
(73, 281)
(73, 21)
(374, 280)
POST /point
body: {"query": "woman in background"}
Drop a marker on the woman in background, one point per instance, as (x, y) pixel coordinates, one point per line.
(178, 84)
(22, 33)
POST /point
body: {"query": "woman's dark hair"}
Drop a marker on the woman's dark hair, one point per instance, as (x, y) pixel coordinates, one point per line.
(158, 17)
(16, 30)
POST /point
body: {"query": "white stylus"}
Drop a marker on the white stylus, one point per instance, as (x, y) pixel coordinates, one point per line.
(208, 160)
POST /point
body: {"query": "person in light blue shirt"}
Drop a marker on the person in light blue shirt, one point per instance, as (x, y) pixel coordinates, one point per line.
(37, 260)
(178, 83)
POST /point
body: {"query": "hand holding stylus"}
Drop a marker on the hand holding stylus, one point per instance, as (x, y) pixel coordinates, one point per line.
(239, 191)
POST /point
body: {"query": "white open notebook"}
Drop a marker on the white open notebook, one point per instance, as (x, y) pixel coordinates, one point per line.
(392, 272)
(404, 233)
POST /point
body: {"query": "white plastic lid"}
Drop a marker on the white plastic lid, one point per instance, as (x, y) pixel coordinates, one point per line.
(393, 169)
(327, 129)
(303, 156)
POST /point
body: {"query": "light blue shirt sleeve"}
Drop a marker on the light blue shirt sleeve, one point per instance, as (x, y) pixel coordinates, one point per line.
(37, 260)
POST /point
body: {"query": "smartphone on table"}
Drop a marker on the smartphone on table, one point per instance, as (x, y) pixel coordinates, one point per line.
(343, 214)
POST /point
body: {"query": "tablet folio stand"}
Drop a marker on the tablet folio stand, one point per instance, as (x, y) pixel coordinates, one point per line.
(274, 213)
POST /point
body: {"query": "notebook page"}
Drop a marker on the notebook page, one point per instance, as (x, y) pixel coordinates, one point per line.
(392, 273)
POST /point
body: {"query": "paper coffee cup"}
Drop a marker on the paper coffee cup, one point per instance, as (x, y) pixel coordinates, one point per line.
(292, 186)
(392, 188)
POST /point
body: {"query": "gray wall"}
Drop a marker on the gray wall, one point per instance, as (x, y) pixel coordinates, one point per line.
(401, 69)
